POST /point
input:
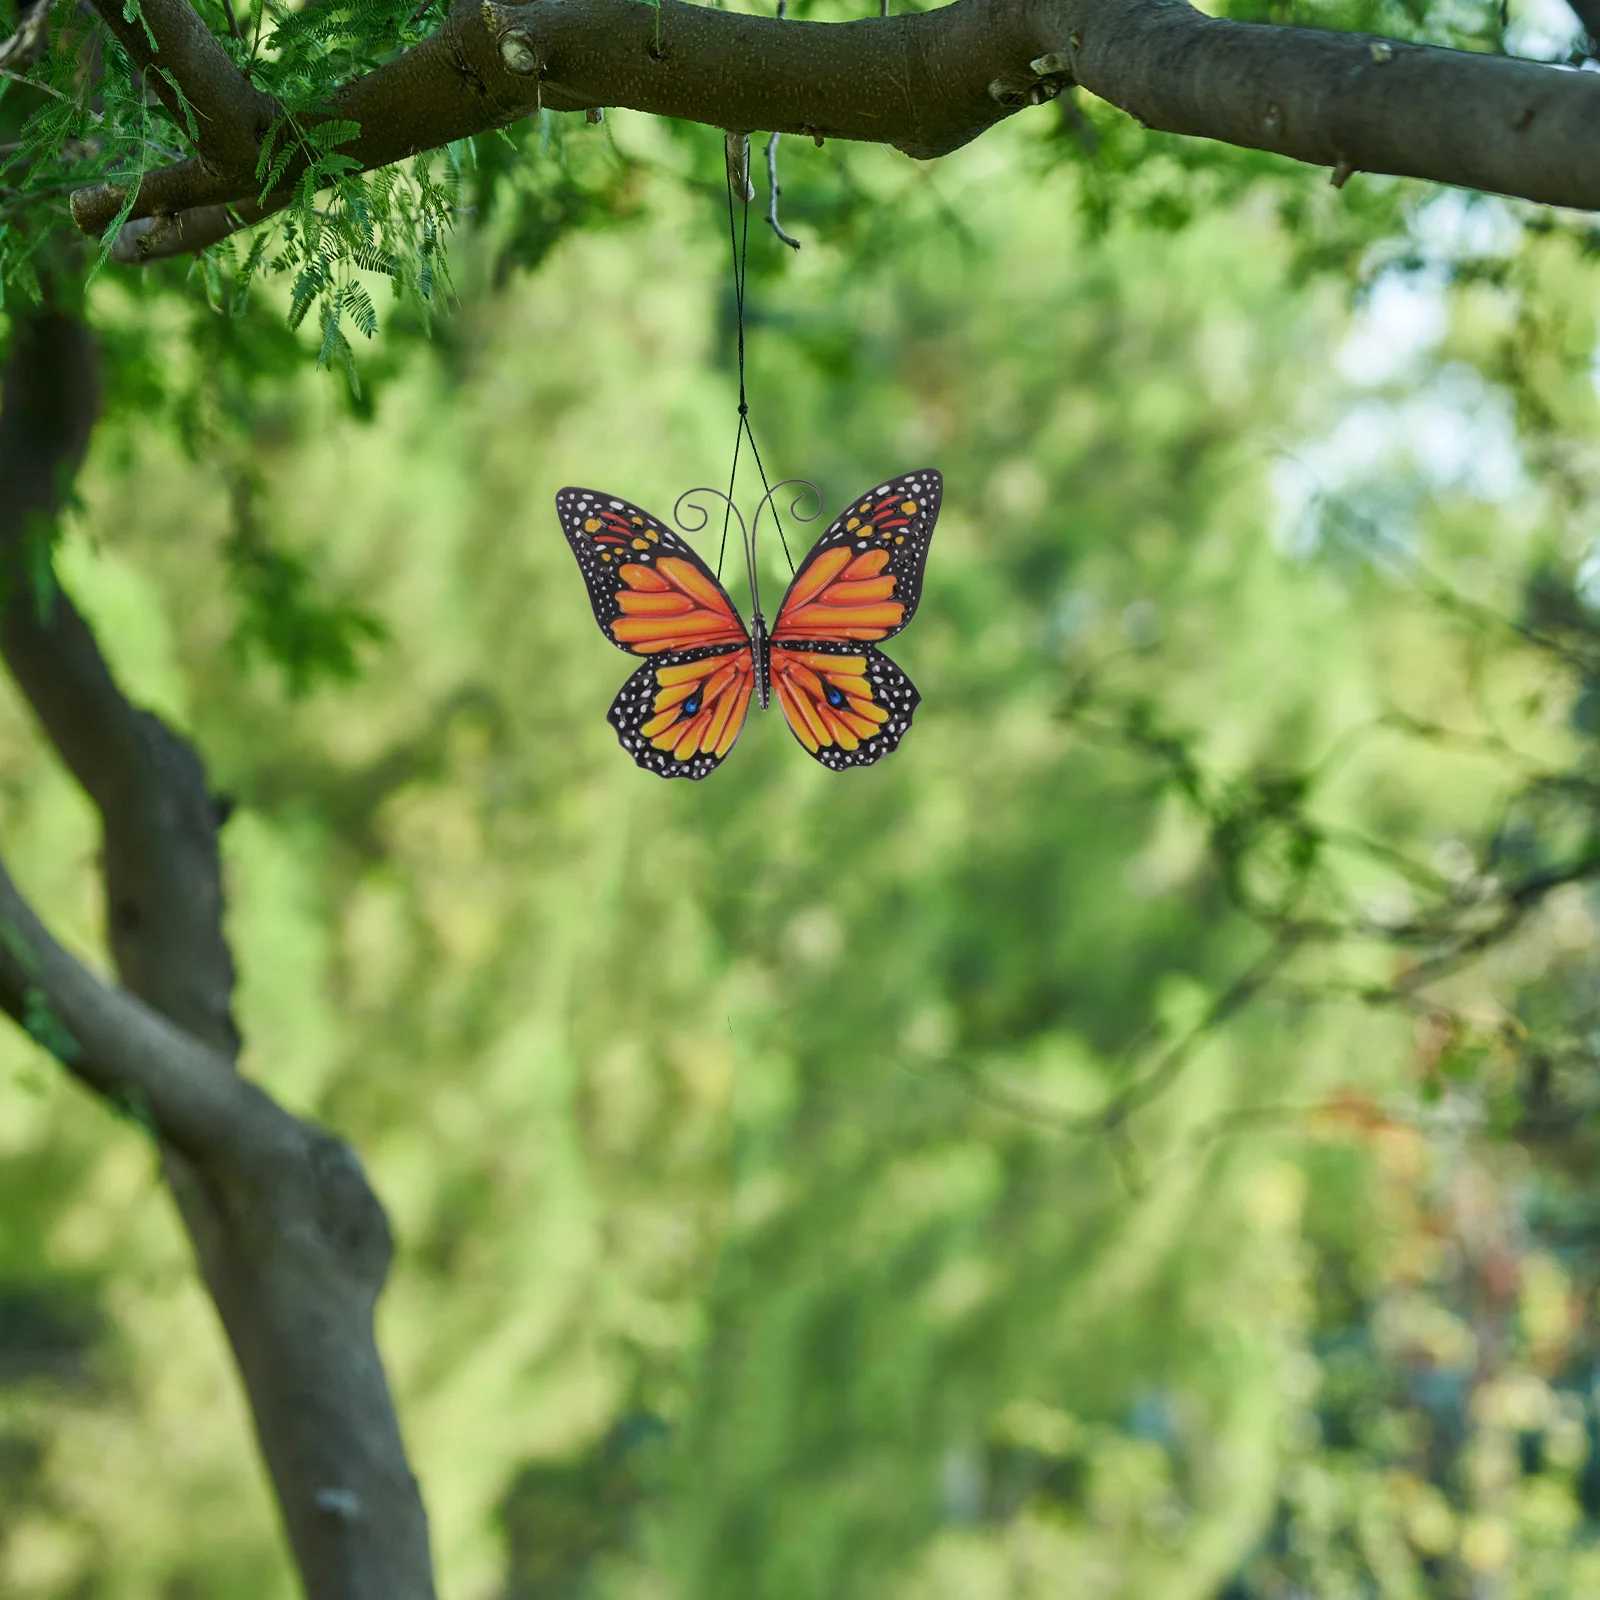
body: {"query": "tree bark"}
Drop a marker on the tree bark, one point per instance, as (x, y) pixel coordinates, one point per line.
(292, 1243)
(925, 83)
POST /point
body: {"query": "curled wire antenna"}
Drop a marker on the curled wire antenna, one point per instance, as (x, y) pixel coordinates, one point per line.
(806, 487)
(766, 502)
(705, 517)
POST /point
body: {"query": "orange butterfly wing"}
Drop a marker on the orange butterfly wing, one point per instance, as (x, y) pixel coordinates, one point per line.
(863, 577)
(847, 703)
(680, 713)
(650, 592)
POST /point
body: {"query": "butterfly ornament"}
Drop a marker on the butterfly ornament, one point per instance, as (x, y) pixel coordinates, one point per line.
(846, 702)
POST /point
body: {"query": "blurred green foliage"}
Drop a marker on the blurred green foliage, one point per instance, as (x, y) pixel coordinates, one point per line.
(1137, 1142)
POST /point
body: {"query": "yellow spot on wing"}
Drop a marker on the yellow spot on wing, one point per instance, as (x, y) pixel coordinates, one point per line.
(729, 713)
(689, 742)
(639, 544)
(842, 735)
(684, 672)
(909, 507)
(805, 678)
(866, 708)
(674, 696)
(719, 680)
(592, 525)
(819, 661)
(794, 710)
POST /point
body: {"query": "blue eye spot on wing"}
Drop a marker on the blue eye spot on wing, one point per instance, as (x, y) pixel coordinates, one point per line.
(834, 697)
(691, 705)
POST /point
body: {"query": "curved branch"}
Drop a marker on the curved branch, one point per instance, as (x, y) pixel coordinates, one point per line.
(931, 82)
(128, 1053)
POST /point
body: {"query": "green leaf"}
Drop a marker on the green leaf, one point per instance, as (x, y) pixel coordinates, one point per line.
(330, 331)
(359, 304)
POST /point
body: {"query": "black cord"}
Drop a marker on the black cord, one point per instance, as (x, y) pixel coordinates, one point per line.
(739, 245)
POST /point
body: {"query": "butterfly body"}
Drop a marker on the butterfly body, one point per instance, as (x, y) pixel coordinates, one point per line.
(761, 655)
(845, 701)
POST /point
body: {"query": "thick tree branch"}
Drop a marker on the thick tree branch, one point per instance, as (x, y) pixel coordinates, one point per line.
(291, 1240)
(1353, 102)
(230, 114)
(931, 82)
(127, 1052)
(163, 890)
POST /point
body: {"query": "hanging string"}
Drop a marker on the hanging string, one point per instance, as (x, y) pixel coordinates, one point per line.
(739, 245)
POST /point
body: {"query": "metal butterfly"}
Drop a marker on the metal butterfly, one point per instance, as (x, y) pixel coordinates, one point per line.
(846, 702)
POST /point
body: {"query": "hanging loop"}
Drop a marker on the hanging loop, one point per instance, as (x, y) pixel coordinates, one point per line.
(737, 149)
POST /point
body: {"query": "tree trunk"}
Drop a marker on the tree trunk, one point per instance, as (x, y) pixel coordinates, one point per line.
(291, 1241)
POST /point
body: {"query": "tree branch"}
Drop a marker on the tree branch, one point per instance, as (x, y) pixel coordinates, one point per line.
(292, 1243)
(1350, 101)
(230, 114)
(931, 82)
(183, 233)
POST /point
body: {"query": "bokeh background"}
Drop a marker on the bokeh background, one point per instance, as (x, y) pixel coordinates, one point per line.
(1137, 1142)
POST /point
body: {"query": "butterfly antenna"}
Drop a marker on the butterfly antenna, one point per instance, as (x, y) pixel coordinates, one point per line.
(730, 510)
(806, 487)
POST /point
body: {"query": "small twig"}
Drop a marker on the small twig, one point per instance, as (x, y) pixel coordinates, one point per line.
(33, 83)
(773, 191)
(233, 21)
(1232, 1000)
(27, 43)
